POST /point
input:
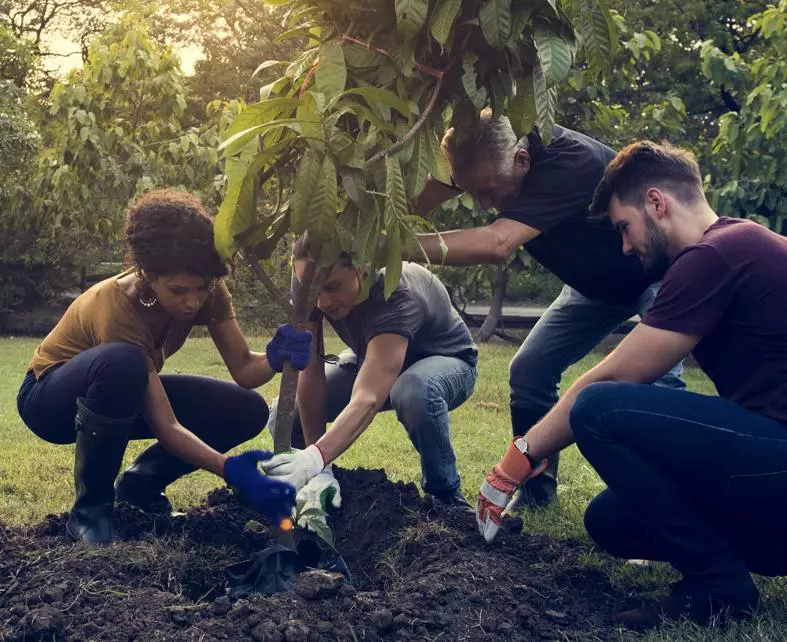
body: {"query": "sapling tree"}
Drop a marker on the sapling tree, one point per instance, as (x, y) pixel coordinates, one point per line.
(341, 144)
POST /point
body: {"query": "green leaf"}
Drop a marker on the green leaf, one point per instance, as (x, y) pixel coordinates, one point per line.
(410, 17)
(326, 205)
(598, 33)
(308, 115)
(469, 81)
(373, 94)
(354, 184)
(260, 113)
(396, 203)
(393, 258)
(267, 65)
(236, 142)
(545, 104)
(331, 74)
(495, 18)
(238, 209)
(367, 235)
(418, 168)
(520, 17)
(555, 52)
(438, 165)
(443, 19)
(307, 180)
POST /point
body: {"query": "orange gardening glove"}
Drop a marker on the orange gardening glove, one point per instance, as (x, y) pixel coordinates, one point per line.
(499, 487)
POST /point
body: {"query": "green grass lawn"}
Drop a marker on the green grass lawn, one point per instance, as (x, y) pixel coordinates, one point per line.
(36, 477)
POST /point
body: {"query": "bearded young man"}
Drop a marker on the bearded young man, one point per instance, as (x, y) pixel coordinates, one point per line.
(543, 193)
(694, 480)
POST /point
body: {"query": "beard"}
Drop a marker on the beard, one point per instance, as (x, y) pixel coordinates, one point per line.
(655, 255)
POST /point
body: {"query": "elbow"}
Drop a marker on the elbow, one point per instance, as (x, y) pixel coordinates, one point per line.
(499, 250)
(369, 402)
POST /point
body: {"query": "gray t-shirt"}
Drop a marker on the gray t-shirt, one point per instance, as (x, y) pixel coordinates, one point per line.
(419, 309)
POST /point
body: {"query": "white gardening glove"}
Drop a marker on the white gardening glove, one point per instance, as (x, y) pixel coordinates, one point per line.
(295, 467)
(316, 497)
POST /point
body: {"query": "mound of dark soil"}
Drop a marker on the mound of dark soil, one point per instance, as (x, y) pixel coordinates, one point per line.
(420, 572)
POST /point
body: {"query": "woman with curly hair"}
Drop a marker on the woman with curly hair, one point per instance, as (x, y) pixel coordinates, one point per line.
(94, 379)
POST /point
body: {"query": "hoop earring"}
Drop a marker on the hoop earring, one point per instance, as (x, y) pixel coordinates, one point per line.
(150, 301)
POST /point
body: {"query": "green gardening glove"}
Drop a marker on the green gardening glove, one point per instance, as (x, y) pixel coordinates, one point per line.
(317, 496)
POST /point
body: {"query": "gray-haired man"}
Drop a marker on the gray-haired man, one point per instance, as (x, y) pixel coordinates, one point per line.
(542, 193)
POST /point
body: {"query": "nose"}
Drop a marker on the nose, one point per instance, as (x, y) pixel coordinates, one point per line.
(628, 248)
(192, 303)
(323, 302)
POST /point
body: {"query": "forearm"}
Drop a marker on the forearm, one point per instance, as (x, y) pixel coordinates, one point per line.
(349, 425)
(434, 194)
(255, 372)
(463, 247)
(311, 403)
(553, 433)
(186, 446)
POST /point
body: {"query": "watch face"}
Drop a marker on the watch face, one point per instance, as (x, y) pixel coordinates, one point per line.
(521, 445)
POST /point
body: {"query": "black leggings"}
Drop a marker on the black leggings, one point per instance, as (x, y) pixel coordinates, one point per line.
(112, 378)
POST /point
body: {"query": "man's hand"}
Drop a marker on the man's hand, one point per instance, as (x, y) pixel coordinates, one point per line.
(296, 467)
(320, 493)
(289, 344)
(499, 487)
(275, 498)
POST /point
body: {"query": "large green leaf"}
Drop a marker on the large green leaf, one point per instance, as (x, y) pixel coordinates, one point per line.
(438, 165)
(393, 257)
(555, 53)
(307, 180)
(238, 209)
(410, 16)
(374, 95)
(367, 235)
(308, 114)
(598, 32)
(443, 19)
(325, 206)
(261, 113)
(469, 81)
(237, 141)
(418, 168)
(495, 18)
(522, 110)
(545, 104)
(331, 74)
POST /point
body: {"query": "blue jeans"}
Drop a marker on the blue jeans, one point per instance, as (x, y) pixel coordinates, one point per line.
(571, 327)
(422, 396)
(112, 378)
(693, 480)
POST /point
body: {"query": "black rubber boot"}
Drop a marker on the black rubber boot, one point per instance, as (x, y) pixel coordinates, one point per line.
(540, 491)
(100, 444)
(144, 482)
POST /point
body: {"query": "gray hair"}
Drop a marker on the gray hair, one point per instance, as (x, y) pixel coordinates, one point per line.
(492, 140)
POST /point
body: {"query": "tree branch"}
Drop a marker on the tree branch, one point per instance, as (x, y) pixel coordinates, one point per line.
(273, 289)
(418, 124)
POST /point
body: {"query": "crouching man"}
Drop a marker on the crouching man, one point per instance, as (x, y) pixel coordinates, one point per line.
(694, 480)
(411, 353)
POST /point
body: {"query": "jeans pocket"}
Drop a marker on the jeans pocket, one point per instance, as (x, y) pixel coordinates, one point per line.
(753, 493)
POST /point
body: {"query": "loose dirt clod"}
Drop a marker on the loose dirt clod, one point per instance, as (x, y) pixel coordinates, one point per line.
(420, 571)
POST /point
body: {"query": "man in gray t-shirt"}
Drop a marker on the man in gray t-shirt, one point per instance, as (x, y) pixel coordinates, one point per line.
(411, 353)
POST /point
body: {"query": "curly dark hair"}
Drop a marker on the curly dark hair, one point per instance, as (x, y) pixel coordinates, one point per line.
(168, 232)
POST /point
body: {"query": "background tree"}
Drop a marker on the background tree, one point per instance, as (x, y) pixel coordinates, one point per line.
(749, 177)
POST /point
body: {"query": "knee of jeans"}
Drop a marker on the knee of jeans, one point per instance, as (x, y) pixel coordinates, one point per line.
(253, 411)
(125, 364)
(589, 407)
(410, 397)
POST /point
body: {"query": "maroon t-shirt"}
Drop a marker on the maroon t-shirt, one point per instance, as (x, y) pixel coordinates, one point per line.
(731, 289)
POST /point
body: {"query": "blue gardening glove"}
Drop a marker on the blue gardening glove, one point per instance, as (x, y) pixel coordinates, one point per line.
(273, 497)
(289, 344)
(296, 467)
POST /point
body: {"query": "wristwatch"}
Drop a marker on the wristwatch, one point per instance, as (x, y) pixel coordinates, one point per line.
(520, 443)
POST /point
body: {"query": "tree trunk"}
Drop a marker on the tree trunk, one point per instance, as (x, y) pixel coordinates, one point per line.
(496, 308)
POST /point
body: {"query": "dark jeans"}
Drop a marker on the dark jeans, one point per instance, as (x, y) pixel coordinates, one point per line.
(692, 480)
(112, 378)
